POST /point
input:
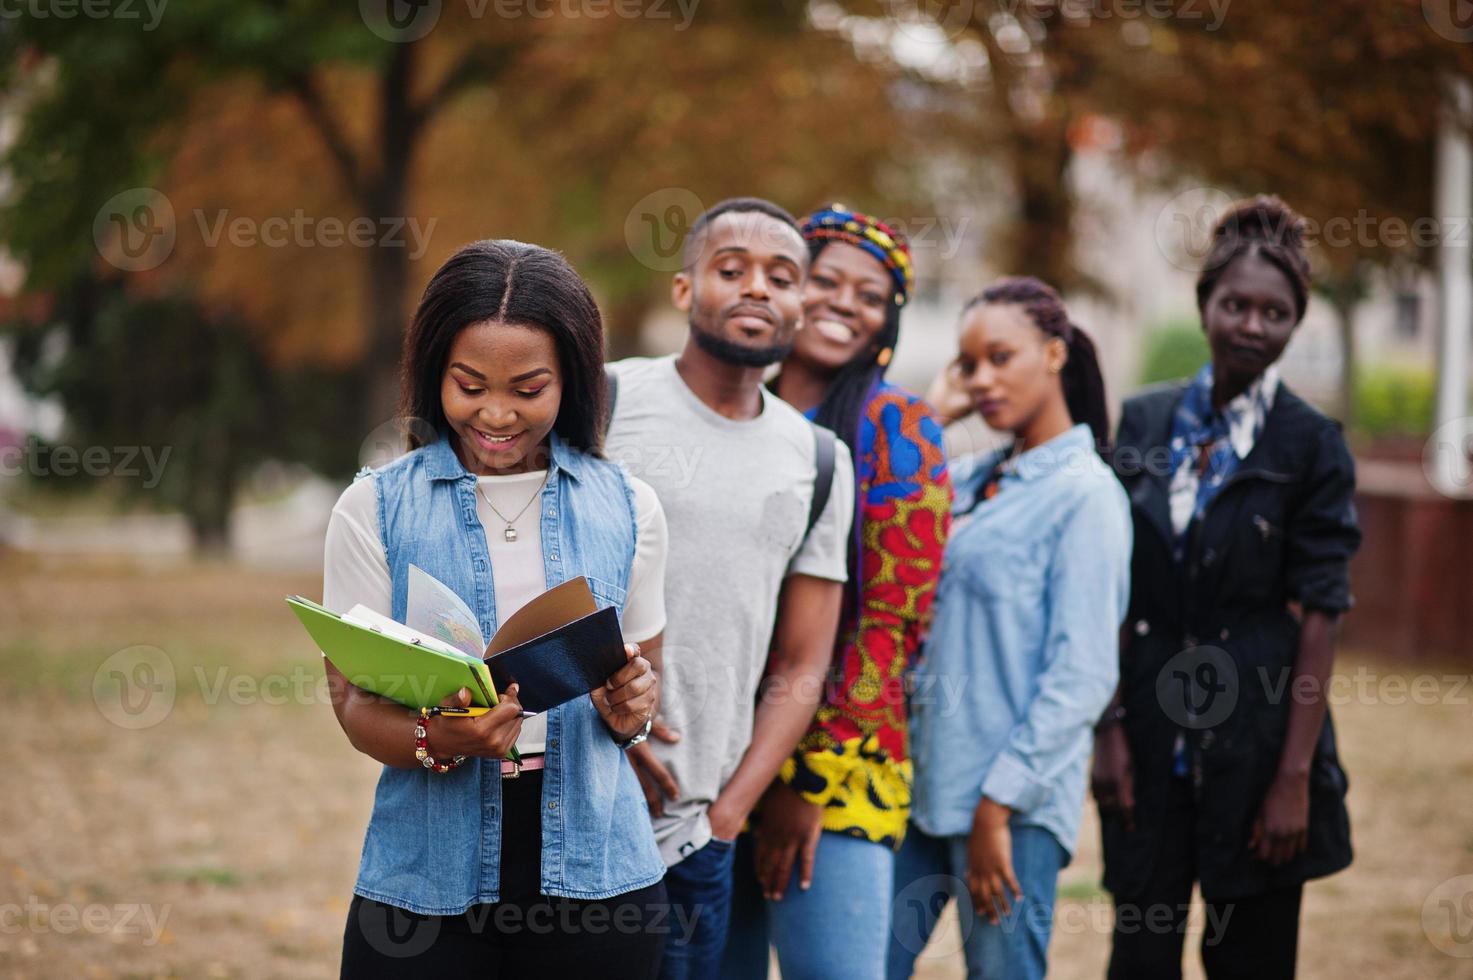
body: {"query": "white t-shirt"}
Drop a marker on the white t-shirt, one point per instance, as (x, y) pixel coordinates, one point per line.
(737, 495)
(356, 570)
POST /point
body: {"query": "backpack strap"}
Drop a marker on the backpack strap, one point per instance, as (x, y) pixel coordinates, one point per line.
(823, 479)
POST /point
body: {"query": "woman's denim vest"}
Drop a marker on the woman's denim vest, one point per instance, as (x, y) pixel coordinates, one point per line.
(434, 841)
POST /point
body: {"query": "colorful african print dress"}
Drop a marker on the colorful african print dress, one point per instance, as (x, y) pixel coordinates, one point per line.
(854, 760)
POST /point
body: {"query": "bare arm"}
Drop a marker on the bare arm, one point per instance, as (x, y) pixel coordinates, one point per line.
(384, 730)
(808, 619)
(654, 778)
(1282, 828)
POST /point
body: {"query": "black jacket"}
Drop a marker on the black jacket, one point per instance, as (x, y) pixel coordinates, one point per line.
(1210, 642)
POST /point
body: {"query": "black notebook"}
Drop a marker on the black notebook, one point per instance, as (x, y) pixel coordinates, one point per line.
(557, 647)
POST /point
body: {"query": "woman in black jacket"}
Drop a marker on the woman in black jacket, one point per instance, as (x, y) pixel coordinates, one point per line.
(1217, 763)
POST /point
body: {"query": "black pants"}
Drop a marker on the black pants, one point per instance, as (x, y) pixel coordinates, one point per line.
(1249, 938)
(525, 934)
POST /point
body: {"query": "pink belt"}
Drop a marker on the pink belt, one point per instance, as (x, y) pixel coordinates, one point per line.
(511, 770)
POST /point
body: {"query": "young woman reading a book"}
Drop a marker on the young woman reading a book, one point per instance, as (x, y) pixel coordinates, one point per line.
(471, 861)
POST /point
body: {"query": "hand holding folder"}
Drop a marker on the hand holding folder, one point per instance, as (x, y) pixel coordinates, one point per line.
(555, 648)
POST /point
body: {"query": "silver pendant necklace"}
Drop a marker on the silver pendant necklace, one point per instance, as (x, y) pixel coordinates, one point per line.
(510, 533)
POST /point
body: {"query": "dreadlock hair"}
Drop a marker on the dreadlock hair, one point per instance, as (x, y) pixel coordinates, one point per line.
(1268, 228)
(1084, 386)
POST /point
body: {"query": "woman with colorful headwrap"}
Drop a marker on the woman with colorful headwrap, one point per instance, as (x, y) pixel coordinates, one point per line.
(822, 850)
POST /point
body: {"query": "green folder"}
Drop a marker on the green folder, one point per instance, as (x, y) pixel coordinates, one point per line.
(414, 675)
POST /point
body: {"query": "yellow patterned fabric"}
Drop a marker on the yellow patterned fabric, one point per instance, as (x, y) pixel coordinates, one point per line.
(854, 759)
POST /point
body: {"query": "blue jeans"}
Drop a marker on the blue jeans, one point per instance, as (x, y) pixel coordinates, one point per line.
(699, 889)
(838, 928)
(929, 871)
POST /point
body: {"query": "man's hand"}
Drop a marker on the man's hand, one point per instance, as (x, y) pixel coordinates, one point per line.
(990, 878)
(726, 820)
(654, 778)
(789, 828)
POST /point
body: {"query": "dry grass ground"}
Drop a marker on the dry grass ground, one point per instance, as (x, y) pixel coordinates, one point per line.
(222, 840)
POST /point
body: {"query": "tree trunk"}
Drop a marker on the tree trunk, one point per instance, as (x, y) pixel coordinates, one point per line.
(388, 265)
(1345, 320)
(1344, 289)
(209, 499)
(1042, 240)
(1038, 153)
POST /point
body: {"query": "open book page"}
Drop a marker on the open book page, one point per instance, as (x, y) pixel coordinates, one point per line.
(361, 615)
(434, 609)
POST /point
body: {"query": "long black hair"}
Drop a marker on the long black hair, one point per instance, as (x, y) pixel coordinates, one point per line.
(513, 283)
(1084, 386)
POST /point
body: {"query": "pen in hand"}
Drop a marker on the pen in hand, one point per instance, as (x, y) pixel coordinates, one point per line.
(495, 737)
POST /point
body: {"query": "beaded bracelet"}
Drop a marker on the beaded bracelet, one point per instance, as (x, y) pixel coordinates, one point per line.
(422, 749)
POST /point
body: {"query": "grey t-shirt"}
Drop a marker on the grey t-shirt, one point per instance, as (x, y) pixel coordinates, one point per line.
(736, 497)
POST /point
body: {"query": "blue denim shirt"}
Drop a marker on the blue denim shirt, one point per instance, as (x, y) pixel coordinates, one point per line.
(434, 841)
(1022, 656)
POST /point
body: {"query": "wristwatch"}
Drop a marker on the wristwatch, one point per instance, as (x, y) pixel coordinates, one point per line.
(640, 735)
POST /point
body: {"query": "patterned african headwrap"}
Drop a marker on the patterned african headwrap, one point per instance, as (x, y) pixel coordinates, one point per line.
(842, 224)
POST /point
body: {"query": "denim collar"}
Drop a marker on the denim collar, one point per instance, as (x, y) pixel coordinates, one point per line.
(441, 463)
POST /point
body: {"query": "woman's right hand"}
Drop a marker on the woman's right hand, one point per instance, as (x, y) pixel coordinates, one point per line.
(489, 736)
(948, 394)
(1112, 776)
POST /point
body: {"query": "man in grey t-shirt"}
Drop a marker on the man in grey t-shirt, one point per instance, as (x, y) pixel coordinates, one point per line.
(734, 467)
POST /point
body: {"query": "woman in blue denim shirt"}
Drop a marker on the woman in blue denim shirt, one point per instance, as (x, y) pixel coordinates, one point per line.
(471, 863)
(1022, 654)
